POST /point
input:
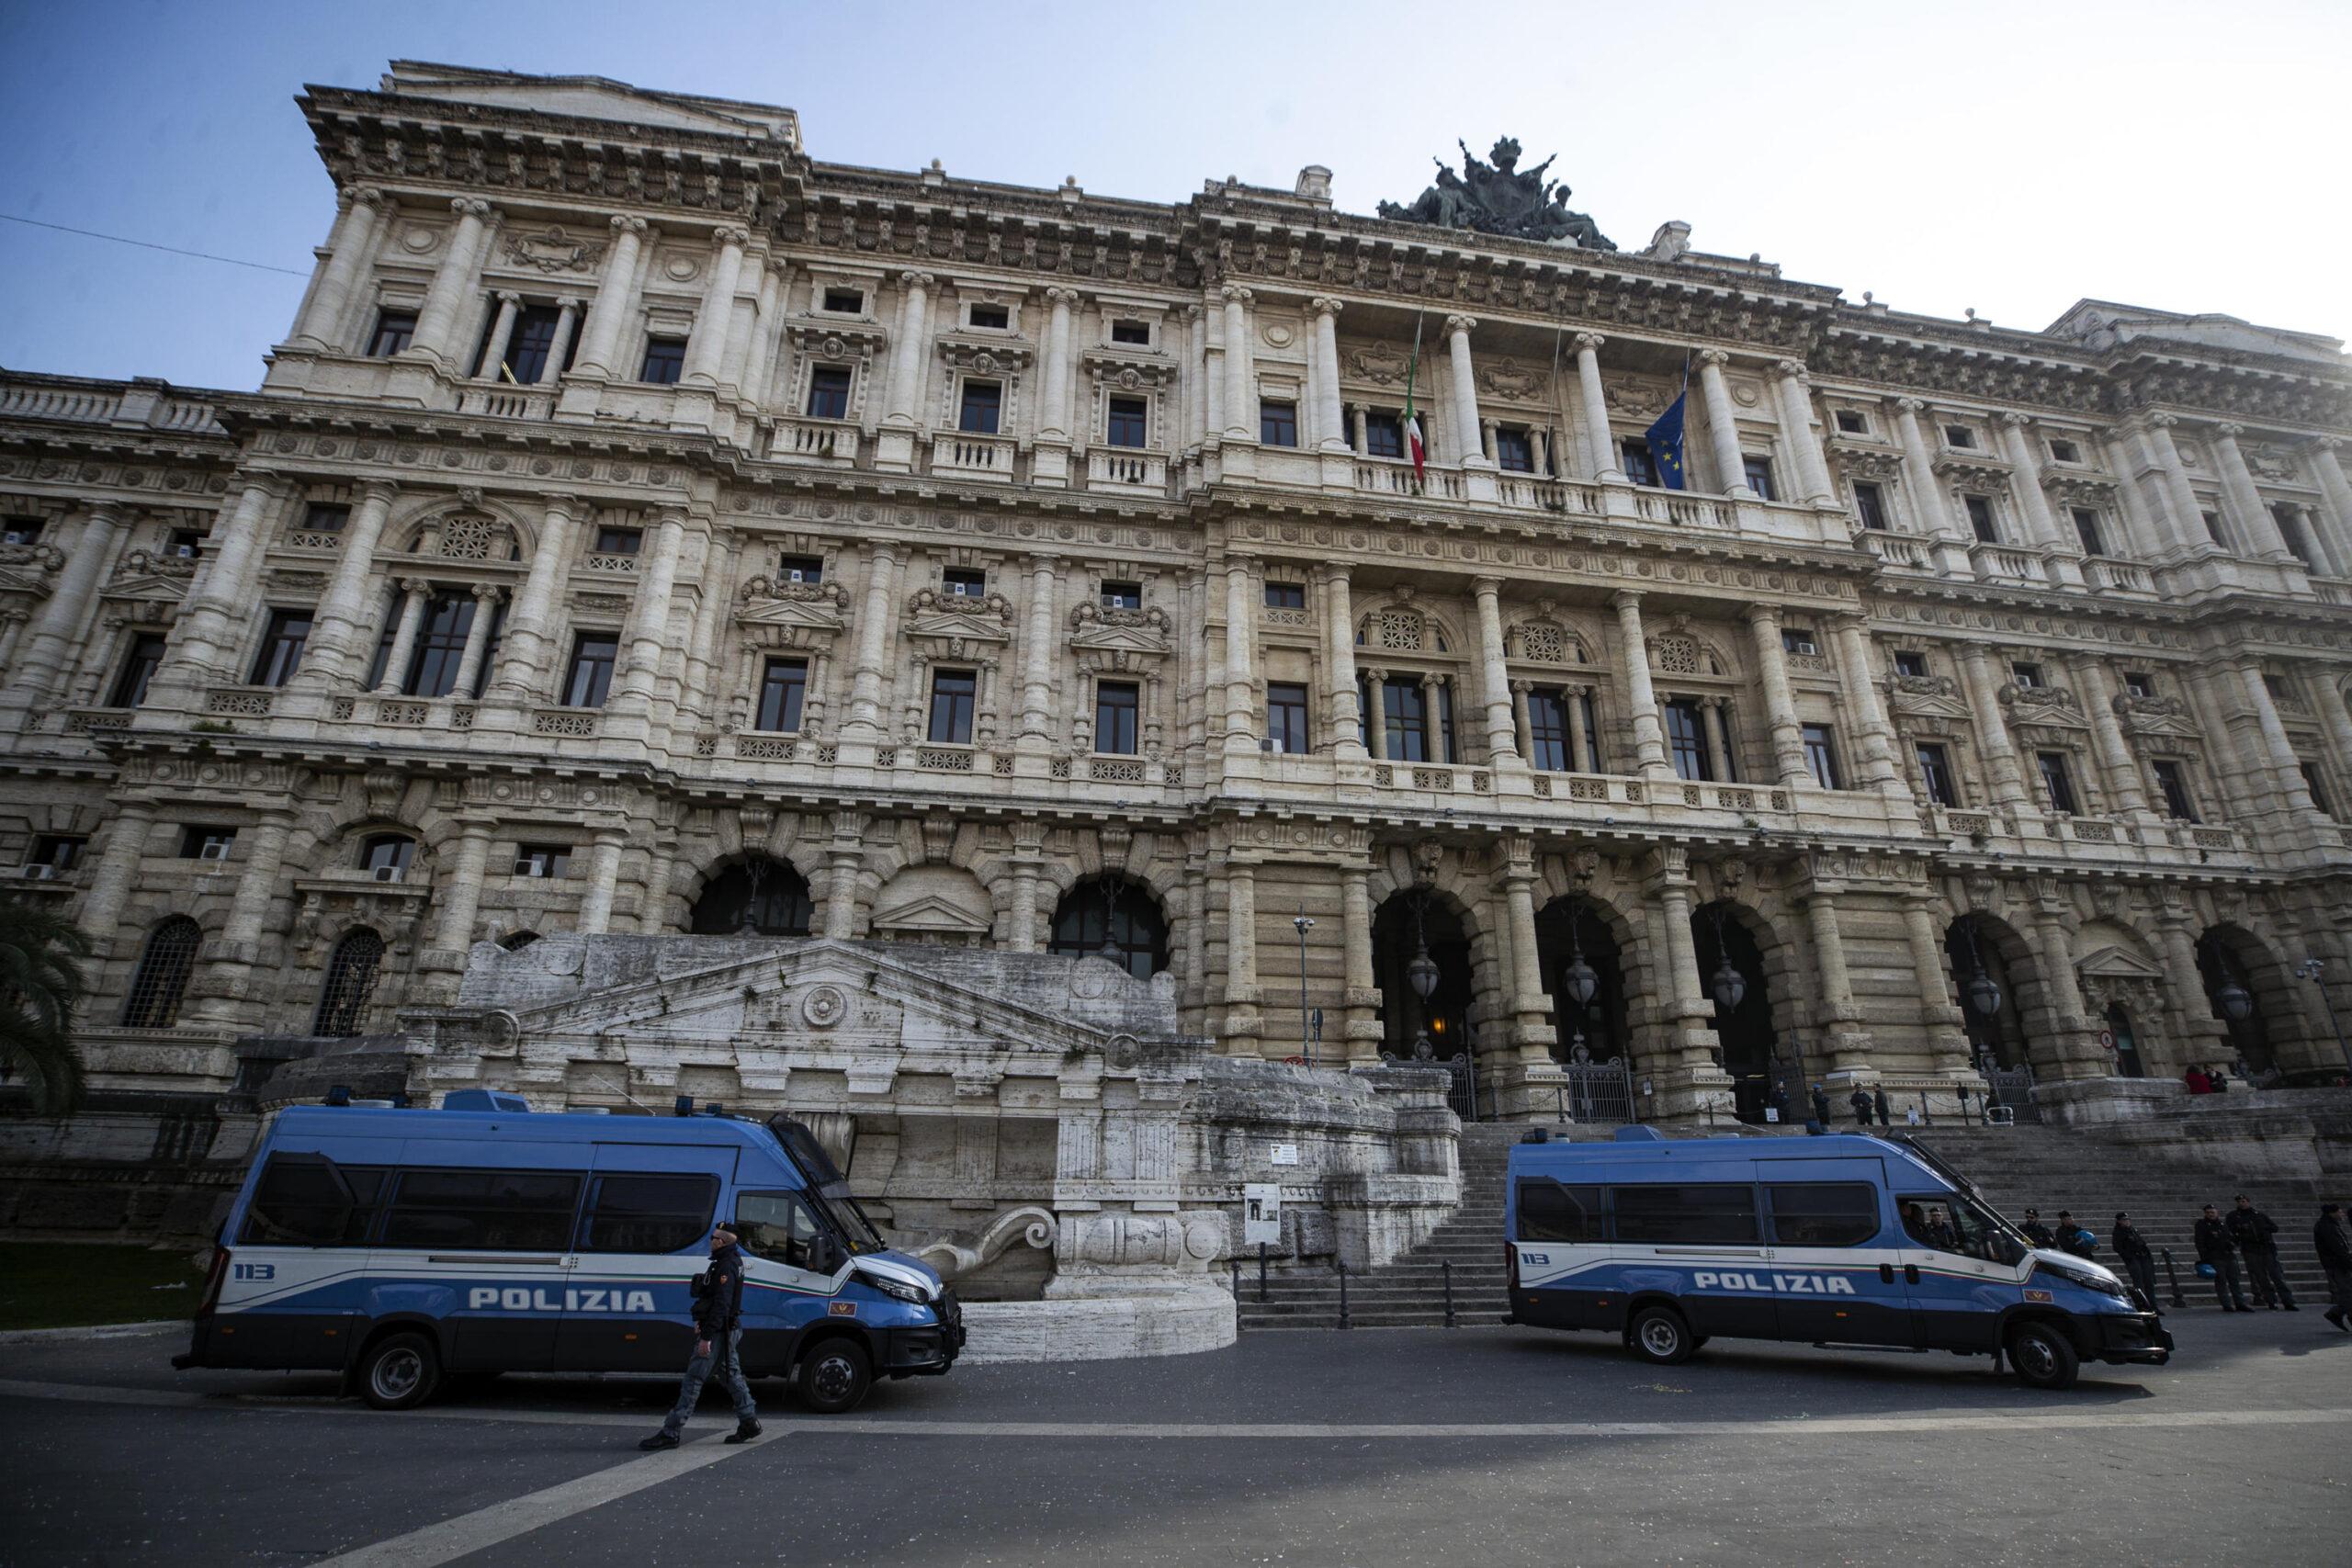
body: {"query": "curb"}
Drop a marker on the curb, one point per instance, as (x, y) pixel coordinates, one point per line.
(93, 1331)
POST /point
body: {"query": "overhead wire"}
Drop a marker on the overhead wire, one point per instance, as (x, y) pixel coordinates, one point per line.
(151, 245)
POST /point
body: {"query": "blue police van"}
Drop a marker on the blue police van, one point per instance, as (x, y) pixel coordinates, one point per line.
(1843, 1240)
(400, 1247)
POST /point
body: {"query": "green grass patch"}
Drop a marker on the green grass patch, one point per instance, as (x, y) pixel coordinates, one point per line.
(59, 1284)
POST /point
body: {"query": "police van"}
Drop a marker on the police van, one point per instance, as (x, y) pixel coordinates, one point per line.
(1842, 1240)
(402, 1246)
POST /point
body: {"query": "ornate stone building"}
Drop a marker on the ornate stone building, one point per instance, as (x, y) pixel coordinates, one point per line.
(646, 528)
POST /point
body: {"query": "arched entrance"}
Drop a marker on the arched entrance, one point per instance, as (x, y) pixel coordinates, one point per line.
(2240, 989)
(1418, 931)
(1578, 951)
(757, 896)
(1979, 949)
(2127, 1045)
(1731, 968)
(1114, 917)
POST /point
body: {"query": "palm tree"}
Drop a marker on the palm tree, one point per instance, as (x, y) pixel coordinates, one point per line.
(41, 983)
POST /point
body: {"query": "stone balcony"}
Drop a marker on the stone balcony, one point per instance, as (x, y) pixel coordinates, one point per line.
(498, 400)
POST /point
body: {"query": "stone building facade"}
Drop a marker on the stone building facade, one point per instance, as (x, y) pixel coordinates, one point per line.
(647, 529)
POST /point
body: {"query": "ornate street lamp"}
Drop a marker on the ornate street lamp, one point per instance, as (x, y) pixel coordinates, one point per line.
(1727, 983)
(1982, 994)
(1109, 951)
(2231, 998)
(1420, 973)
(1578, 979)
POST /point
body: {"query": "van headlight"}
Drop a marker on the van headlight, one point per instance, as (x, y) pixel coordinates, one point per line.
(2084, 1279)
(898, 1289)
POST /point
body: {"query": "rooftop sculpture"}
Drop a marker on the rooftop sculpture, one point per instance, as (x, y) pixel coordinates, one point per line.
(1500, 198)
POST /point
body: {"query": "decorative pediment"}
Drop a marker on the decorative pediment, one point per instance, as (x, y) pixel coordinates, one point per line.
(998, 353)
(792, 612)
(1130, 366)
(1874, 465)
(2117, 964)
(1096, 629)
(2078, 489)
(930, 914)
(2042, 705)
(2156, 716)
(834, 337)
(955, 618)
(20, 580)
(1935, 696)
(1968, 463)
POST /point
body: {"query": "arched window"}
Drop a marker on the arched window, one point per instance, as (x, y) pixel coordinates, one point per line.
(1114, 918)
(161, 979)
(351, 980)
(515, 942)
(758, 897)
(386, 856)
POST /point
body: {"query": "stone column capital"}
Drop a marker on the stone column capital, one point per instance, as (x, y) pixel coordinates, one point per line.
(1626, 599)
(1714, 357)
(1589, 341)
(1462, 324)
(1761, 614)
(1842, 621)
(1192, 312)
(363, 196)
(1324, 305)
(568, 301)
(1791, 370)
(1235, 294)
(1710, 703)
(914, 279)
(563, 501)
(1911, 405)
(1487, 587)
(510, 296)
(2229, 429)
(1057, 295)
(415, 586)
(2012, 419)
(2162, 421)
(489, 592)
(1521, 686)
(731, 236)
(1331, 572)
(627, 225)
(2326, 442)
(1376, 673)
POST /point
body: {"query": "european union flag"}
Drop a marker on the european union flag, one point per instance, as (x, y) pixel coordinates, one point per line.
(1665, 440)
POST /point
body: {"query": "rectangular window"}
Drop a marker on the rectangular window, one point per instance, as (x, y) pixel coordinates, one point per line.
(281, 648)
(665, 361)
(199, 842)
(1823, 1214)
(1277, 424)
(590, 679)
(951, 693)
(2172, 783)
(1959, 436)
(1851, 421)
(482, 1211)
(2066, 452)
(992, 317)
(805, 570)
(1115, 712)
(1870, 504)
(2312, 781)
(2290, 529)
(1126, 422)
(441, 647)
(1548, 731)
(1640, 467)
(982, 407)
(844, 301)
(1799, 639)
(2055, 780)
(1686, 740)
(1135, 333)
(648, 1213)
(783, 685)
(1757, 472)
(1821, 756)
(1514, 452)
(184, 544)
(1591, 733)
(1286, 717)
(326, 517)
(829, 392)
(394, 329)
(2138, 684)
(962, 582)
(620, 541)
(138, 667)
(2086, 531)
(60, 852)
(309, 1200)
(1713, 1214)
(1404, 709)
(2027, 676)
(1384, 434)
(1980, 518)
(1914, 665)
(1551, 1211)
(1935, 777)
(387, 851)
(1286, 596)
(527, 351)
(1123, 595)
(543, 860)
(2212, 521)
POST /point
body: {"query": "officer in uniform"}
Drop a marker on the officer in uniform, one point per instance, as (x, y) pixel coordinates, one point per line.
(718, 1341)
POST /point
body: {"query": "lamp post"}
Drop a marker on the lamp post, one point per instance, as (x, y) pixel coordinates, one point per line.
(2315, 971)
(1109, 951)
(1420, 973)
(1306, 1041)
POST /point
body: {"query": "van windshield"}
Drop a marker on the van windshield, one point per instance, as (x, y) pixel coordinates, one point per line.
(1955, 1222)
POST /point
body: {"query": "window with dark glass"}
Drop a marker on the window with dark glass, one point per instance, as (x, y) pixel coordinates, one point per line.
(1403, 708)
(1116, 708)
(482, 1211)
(951, 692)
(161, 979)
(1686, 740)
(2212, 521)
(844, 301)
(964, 582)
(2313, 782)
(2172, 783)
(138, 667)
(590, 678)
(304, 1200)
(1821, 756)
(2274, 686)
(1286, 596)
(646, 1214)
(1851, 422)
(527, 349)
(198, 841)
(2138, 684)
(2066, 452)
(1980, 518)
(995, 317)
(2026, 675)
(1757, 472)
(1123, 595)
(803, 569)
(281, 648)
(186, 544)
(829, 392)
(613, 541)
(2055, 780)
(1823, 1214)
(60, 852)
(1911, 664)
(1548, 731)
(1384, 434)
(1935, 775)
(1287, 716)
(440, 646)
(665, 361)
(2086, 532)
(543, 860)
(783, 685)
(1514, 450)
(1591, 760)
(1798, 639)
(1959, 436)
(1277, 424)
(1442, 747)
(326, 517)
(394, 330)
(983, 403)
(1870, 504)
(387, 851)
(1136, 333)
(1640, 467)
(352, 969)
(1713, 1214)
(2290, 530)
(1126, 422)
(1551, 1211)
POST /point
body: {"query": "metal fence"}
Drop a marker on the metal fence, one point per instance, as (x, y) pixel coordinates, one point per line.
(1598, 1093)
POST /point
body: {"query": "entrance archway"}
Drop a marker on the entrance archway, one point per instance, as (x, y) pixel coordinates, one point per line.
(2243, 989)
(1114, 917)
(1731, 968)
(1408, 924)
(1571, 932)
(2127, 1045)
(1980, 950)
(757, 896)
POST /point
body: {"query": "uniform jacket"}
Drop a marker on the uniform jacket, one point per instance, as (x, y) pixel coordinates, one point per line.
(718, 1306)
(2129, 1242)
(2332, 1242)
(2252, 1230)
(2213, 1241)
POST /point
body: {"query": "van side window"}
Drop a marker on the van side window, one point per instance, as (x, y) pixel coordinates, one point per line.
(1549, 1212)
(775, 1225)
(648, 1213)
(1716, 1213)
(1823, 1214)
(299, 1203)
(477, 1211)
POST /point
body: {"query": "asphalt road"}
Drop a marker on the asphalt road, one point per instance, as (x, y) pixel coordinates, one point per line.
(1472, 1447)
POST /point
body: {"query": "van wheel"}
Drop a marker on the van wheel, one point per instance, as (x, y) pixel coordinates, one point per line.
(2043, 1356)
(833, 1377)
(399, 1371)
(1659, 1335)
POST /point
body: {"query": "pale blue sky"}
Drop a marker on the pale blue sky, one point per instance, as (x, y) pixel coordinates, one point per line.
(2012, 157)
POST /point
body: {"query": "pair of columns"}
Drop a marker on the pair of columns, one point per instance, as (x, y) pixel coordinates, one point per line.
(416, 601)
(494, 355)
(46, 651)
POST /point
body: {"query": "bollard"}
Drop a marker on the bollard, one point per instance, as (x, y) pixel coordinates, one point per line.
(1262, 1270)
(2173, 1274)
(1447, 1264)
(1237, 1277)
(1343, 1294)
(1927, 1113)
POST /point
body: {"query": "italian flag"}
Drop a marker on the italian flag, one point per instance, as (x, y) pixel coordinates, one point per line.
(1413, 448)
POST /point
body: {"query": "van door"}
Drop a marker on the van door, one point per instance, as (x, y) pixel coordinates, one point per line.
(487, 1252)
(782, 1295)
(1703, 1242)
(1960, 1271)
(644, 1234)
(1836, 1261)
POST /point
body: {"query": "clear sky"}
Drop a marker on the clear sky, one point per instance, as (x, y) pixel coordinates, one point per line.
(2008, 157)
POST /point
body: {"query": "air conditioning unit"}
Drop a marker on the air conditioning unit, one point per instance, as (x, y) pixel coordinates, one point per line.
(388, 873)
(530, 868)
(39, 870)
(16, 537)
(796, 575)
(185, 552)
(217, 849)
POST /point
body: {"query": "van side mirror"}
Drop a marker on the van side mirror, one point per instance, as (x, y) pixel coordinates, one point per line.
(822, 1255)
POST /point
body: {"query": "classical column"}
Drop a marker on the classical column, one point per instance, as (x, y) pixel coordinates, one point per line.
(614, 303)
(349, 248)
(336, 626)
(460, 893)
(1053, 423)
(2144, 536)
(1938, 1010)
(759, 367)
(419, 594)
(908, 346)
(1021, 933)
(486, 597)
(49, 646)
(1813, 485)
(1240, 643)
(522, 651)
(1432, 729)
(1196, 377)
(1860, 678)
(1494, 675)
(1683, 996)
(2122, 769)
(1641, 697)
(873, 648)
(2327, 471)
(1723, 426)
(453, 281)
(1241, 958)
(1579, 738)
(1037, 653)
(2256, 526)
(1330, 424)
(1983, 688)
(1529, 1002)
(231, 955)
(2180, 499)
(567, 322)
(1718, 741)
(1829, 953)
(493, 348)
(1488, 427)
(2337, 720)
(2203, 1037)
(220, 600)
(1362, 429)
(101, 905)
(840, 888)
(707, 345)
(1239, 403)
(1780, 703)
(648, 617)
(1600, 452)
(1363, 1030)
(2285, 765)
(1339, 646)
(1464, 415)
(2058, 981)
(1523, 726)
(1376, 716)
(1919, 472)
(2025, 479)
(604, 875)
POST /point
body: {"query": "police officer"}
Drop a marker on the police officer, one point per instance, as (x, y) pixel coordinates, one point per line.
(2214, 1246)
(2334, 1243)
(719, 1342)
(1860, 1100)
(2035, 1231)
(2133, 1248)
(1820, 1105)
(2256, 1234)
